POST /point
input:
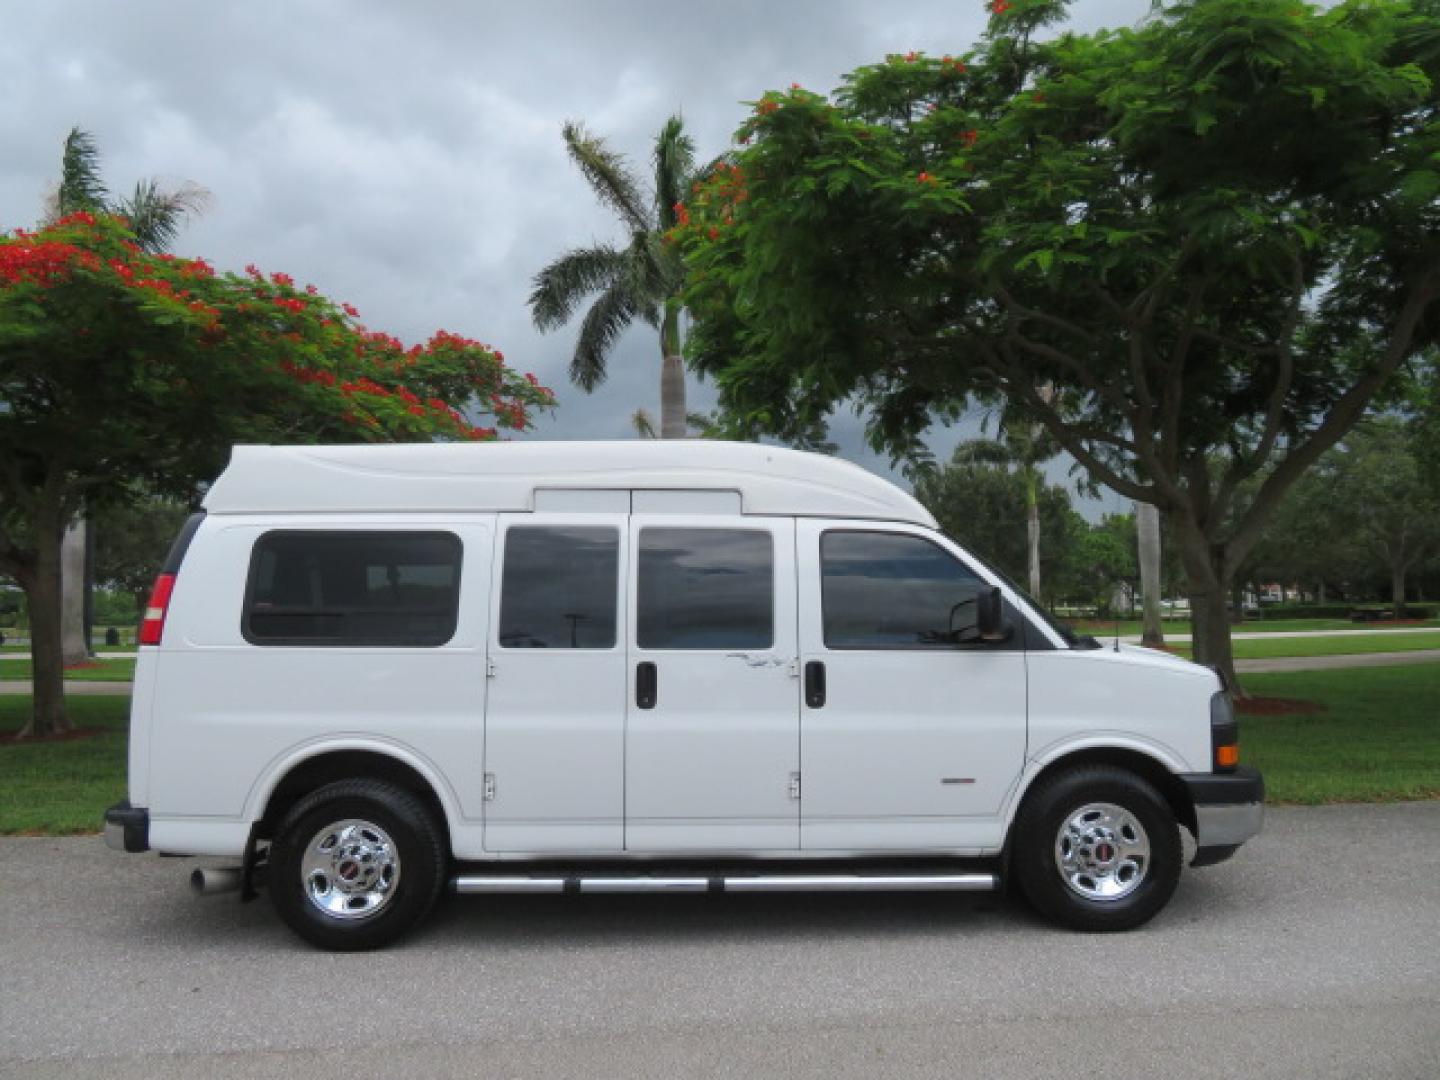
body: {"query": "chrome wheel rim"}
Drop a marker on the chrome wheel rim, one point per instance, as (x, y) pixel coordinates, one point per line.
(350, 869)
(1102, 852)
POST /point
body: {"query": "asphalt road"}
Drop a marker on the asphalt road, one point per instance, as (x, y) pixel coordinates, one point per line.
(1315, 953)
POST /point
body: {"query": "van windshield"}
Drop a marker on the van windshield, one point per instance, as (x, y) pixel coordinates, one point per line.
(1074, 640)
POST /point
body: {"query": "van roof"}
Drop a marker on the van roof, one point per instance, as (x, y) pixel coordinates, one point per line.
(430, 477)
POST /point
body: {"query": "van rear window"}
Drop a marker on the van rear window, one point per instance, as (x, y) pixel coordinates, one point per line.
(353, 588)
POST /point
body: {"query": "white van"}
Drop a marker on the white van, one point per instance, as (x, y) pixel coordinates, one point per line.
(369, 673)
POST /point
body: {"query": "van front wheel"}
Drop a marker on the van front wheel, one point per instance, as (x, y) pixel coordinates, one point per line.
(355, 864)
(1097, 848)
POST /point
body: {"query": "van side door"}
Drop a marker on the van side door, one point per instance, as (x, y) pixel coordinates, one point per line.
(909, 739)
(555, 706)
(712, 744)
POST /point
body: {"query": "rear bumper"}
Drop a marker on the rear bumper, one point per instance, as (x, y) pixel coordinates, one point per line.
(1229, 809)
(127, 828)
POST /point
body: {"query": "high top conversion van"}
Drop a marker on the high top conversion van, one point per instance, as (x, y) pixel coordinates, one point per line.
(372, 673)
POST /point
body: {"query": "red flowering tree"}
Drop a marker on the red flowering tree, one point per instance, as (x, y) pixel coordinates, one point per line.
(117, 365)
(1194, 251)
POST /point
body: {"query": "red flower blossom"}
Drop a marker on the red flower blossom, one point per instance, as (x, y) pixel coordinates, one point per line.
(999, 7)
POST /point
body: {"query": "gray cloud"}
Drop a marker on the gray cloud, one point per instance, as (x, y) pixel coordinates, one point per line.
(407, 158)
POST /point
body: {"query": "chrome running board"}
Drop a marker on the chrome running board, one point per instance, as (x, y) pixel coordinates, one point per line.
(471, 884)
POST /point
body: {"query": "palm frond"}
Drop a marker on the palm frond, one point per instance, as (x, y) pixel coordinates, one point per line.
(674, 165)
(606, 320)
(984, 452)
(608, 175)
(644, 424)
(558, 289)
(156, 215)
(80, 185)
(645, 273)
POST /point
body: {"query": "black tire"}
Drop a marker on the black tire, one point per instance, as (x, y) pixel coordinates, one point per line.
(418, 865)
(1036, 865)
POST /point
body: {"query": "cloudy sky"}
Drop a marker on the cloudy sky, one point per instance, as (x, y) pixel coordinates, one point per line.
(406, 157)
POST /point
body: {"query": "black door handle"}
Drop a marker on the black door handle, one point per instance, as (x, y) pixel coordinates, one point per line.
(646, 684)
(815, 684)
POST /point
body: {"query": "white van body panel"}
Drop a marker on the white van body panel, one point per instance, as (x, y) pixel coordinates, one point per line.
(555, 725)
(710, 766)
(227, 714)
(914, 748)
(438, 477)
(545, 752)
(1141, 698)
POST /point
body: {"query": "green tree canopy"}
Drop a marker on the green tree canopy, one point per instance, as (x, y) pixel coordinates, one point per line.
(1216, 235)
(983, 504)
(120, 367)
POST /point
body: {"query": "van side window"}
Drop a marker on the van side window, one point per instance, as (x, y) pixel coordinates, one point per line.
(353, 588)
(559, 586)
(706, 589)
(892, 591)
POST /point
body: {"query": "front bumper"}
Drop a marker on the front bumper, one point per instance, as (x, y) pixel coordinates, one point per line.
(1229, 809)
(127, 828)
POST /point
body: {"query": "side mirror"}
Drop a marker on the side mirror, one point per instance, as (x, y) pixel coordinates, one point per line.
(990, 616)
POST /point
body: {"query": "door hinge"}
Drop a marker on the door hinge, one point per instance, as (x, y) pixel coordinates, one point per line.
(793, 787)
(489, 667)
(489, 787)
(794, 669)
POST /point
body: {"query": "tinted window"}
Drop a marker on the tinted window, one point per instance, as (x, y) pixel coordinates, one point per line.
(558, 587)
(888, 590)
(353, 588)
(706, 589)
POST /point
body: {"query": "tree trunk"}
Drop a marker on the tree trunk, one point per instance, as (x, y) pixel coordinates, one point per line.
(1032, 532)
(672, 398)
(1208, 587)
(1397, 589)
(1147, 527)
(43, 597)
(75, 648)
(673, 424)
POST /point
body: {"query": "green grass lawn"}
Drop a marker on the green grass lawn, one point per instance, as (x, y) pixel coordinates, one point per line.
(1378, 740)
(104, 671)
(62, 788)
(1131, 627)
(1259, 649)
(98, 648)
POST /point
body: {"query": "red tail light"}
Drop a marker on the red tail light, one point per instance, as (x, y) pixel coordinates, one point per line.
(153, 624)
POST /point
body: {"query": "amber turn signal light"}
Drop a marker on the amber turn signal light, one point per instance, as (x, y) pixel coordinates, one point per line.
(1227, 757)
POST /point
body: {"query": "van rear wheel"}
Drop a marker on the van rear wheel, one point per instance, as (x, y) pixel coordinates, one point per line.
(1097, 848)
(355, 864)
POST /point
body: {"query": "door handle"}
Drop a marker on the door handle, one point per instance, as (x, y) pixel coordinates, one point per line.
(646, 685)
(815, 684)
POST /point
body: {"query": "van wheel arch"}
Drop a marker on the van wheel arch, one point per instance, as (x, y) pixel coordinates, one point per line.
(1149, 769)
(327, 768)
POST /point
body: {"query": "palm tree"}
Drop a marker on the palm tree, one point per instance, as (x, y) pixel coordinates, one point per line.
(642, 280)
(155, 215)
(1025, 448)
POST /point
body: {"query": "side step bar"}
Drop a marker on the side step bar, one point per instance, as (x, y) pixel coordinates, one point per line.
(471, 884)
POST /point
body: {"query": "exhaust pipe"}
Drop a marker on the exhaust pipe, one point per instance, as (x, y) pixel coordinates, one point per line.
(208, 882)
